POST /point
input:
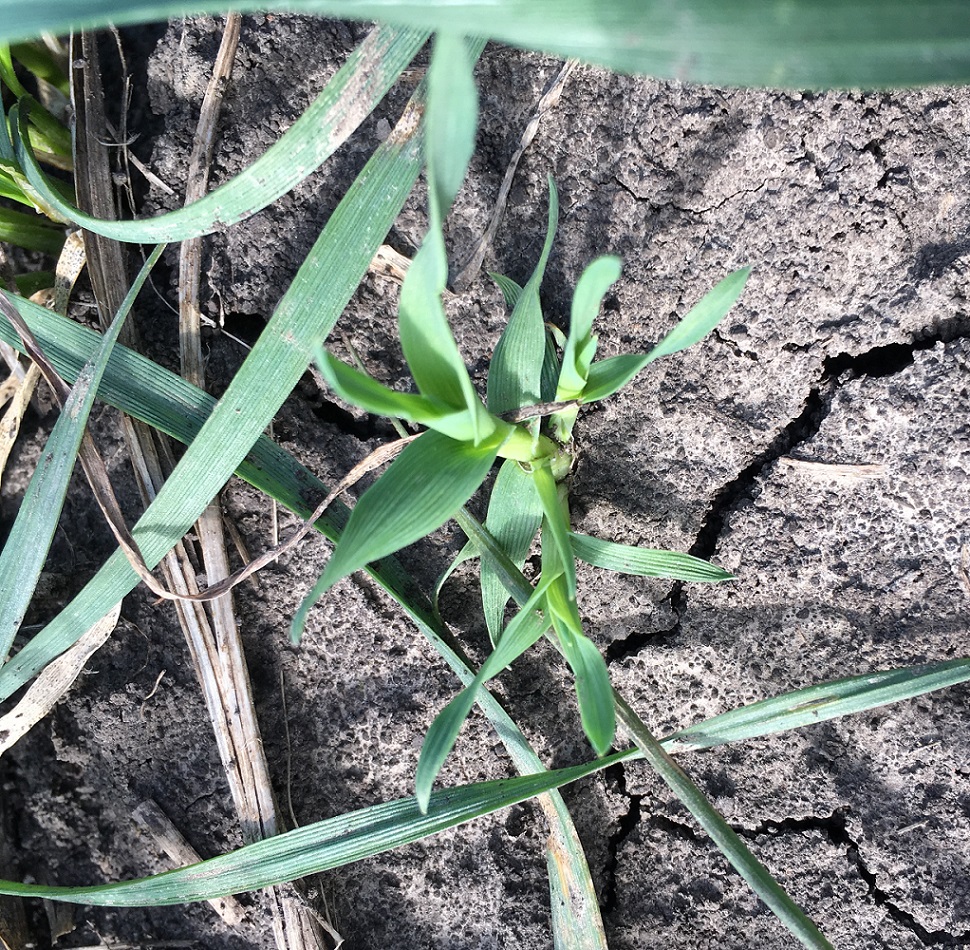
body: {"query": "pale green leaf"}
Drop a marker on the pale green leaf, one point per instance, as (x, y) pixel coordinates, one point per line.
(796, 44)
(644, 562)
(426, 338)
(361, 390)
(607, 376)
(595, 281)
(819, 703)
(514, 376)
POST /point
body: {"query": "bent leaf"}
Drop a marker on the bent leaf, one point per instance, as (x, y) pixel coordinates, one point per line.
(361, 390)
(346, 100)
(607, 376)
(426, 338)
(644, 562)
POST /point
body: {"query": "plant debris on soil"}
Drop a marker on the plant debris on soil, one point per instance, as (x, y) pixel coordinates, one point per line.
(816, 445)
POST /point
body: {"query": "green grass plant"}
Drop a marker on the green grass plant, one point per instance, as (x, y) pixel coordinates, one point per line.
(537, 385)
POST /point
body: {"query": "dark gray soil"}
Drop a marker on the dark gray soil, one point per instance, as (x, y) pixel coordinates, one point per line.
(817, 445)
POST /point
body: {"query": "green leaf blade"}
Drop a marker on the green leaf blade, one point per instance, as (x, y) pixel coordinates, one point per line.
(25, 550)
(524, 630)
(361, 390)
(515, 374)
(452, 120)
(591, 288)
(514, 518)
(311, 849)
(644, 562)
(814, 704)
(796, 44)
(351, 94)
(419, 492)
(609, 375)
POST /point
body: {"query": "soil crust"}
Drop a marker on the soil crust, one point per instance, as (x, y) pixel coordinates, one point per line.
(816, 444)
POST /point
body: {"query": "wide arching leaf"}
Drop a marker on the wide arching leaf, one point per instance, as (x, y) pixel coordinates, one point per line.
(783, 43)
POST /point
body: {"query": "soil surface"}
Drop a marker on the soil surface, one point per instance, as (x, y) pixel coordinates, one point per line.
(817, 445)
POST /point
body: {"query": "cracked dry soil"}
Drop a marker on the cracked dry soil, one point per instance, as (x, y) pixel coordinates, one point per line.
(817, 445)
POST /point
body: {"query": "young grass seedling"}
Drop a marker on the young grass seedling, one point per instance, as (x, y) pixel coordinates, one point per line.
(440, 470)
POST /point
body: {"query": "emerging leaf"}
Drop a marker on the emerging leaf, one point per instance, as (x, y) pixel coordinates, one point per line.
(516, 369)
(595, 281)
(607, 376)
(510, 289)
(581, 344)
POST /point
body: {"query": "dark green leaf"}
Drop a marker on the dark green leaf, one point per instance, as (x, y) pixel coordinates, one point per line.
(723, 835)
(30, 537)
(339, 109)
(510, 289)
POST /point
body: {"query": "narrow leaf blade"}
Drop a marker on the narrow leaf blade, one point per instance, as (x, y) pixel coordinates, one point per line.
(607, 376)
(417, 494)
(514, 377)
(25, 551)
(318, 847)
(514, 518)
(595, 281)
(644, 562)
(813, 704)
(350, 95)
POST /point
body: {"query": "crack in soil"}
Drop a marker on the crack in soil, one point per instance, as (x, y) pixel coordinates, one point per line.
(616, 774)
(835, 828)
(877, 362)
